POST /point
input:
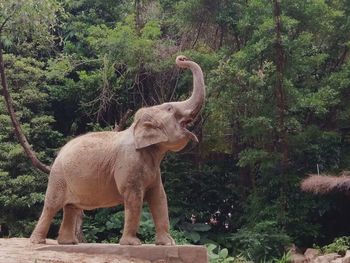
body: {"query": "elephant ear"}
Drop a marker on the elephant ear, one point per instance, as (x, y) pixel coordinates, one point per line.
(148, 131)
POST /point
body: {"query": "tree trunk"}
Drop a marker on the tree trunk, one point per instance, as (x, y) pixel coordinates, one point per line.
(16, 125)
(281, 108)
(199, 30)
(279, 89)
(138, 19)
(122, 123)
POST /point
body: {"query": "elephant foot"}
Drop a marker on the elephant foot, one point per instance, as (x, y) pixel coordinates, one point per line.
(165, 240)
(37, 240)
(67, 241)
(134, 241)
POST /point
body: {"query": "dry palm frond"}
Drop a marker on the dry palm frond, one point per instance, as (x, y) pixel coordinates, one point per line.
(320, 184)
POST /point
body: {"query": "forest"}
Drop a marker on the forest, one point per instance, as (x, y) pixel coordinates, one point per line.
(277, 77)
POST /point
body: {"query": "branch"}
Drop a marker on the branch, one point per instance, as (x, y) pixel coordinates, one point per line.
(7, 19)
(4, 23)
(16, 125)
(198, 33)
(122, 123)
(341, 60)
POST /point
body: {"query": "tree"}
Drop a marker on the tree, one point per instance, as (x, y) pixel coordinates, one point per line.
(275, 103)
(23, 23)
(19, 17)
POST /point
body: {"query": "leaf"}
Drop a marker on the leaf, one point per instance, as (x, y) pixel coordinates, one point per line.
(223, 253)
(201, 227)
(194, 236)
(211, 247)
(110, 225)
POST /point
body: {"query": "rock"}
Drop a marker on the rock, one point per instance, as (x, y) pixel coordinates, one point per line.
(297, 258)
(153, 253)
(346, 259)
(326, 258)
(311, 254)
(20, 250)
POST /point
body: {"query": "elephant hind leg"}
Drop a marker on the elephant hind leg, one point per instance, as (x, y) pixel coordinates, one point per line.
(54, 199)
(79, 228)
(71, 224)
(39, 234)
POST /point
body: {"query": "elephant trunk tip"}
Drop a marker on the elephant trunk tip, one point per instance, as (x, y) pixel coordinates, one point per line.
(182, 61)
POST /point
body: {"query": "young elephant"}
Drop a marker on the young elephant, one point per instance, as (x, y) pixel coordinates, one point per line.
(104, 169)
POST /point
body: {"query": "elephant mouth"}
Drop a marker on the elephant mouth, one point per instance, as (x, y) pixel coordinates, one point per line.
(184, 124)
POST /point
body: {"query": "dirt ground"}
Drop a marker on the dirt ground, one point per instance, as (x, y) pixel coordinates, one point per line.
(20, 250)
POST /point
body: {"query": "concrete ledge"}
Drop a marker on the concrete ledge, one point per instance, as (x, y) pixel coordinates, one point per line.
(153, 253)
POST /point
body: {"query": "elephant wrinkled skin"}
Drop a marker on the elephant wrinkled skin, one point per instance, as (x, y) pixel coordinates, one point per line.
(104, 169)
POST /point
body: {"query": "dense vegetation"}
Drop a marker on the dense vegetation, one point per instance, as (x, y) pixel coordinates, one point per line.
(278, 81)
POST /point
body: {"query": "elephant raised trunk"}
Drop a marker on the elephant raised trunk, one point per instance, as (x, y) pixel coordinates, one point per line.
(191, 107)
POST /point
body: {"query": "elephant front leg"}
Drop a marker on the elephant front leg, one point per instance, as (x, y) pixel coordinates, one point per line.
(133, 205)
(158, 204)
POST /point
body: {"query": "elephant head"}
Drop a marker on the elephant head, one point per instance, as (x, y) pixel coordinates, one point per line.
(165, 125)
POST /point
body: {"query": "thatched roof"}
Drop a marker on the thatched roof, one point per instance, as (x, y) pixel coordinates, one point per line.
(321, 184)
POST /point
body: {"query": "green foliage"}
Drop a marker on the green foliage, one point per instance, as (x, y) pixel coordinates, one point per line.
(286, 258)
(106, 225)
(22, 188)
(193, 231)
(209, 194)
(251, 157)
(263, 240)
(221, 256)
(103, 226)
(28, 25)
(179, 236)
(340, 245)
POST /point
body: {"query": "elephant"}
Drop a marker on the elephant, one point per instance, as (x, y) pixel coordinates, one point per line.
(108, 168)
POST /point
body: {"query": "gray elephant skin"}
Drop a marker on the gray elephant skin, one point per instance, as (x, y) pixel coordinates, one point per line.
(104, 169)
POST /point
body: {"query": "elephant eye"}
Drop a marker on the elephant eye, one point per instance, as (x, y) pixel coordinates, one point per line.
(169, 108)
